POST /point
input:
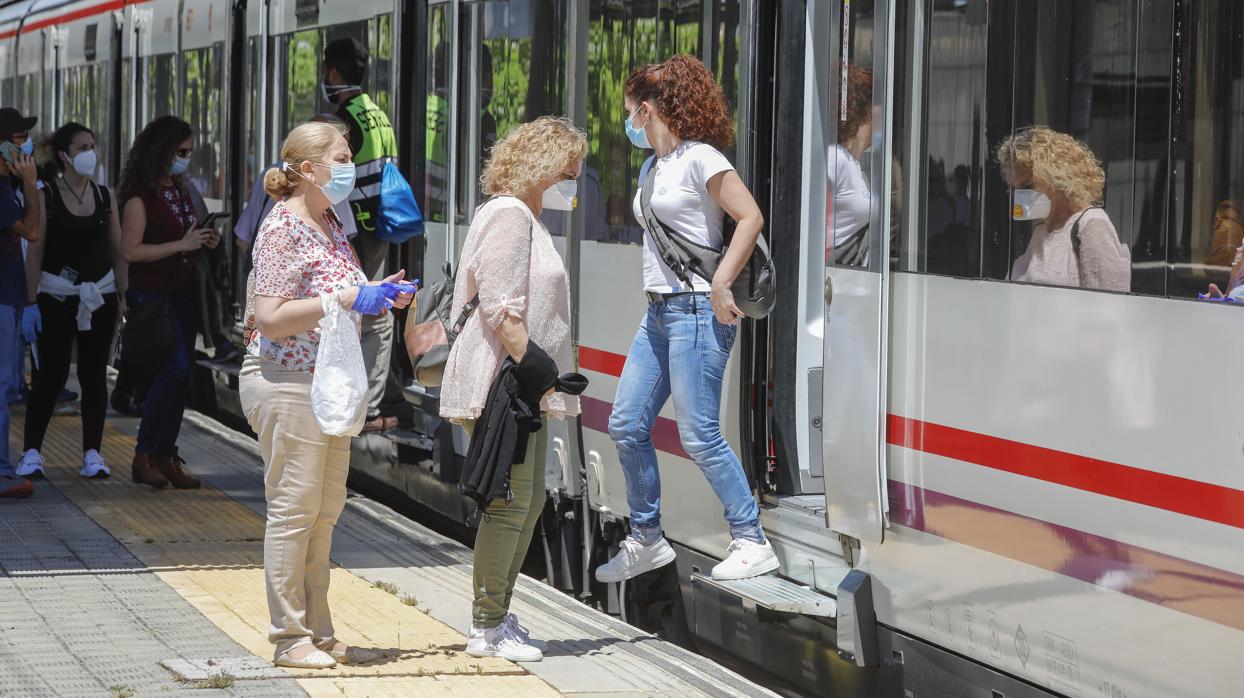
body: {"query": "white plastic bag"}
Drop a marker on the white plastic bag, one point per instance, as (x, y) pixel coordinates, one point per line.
(339, 386)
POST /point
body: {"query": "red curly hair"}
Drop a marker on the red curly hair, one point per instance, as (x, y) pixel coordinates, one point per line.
(689, 100)
(859, 102)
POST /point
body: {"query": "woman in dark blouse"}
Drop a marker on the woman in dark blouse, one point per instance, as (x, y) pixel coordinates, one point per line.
(160, 235)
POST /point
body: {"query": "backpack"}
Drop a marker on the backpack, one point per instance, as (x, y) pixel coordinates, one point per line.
(754, 289)
(430, 336)
(399, 215)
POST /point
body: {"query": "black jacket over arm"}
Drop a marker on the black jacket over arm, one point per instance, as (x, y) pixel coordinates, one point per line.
(510, 415)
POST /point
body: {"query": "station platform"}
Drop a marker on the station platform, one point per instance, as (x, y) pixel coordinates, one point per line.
(109, 588)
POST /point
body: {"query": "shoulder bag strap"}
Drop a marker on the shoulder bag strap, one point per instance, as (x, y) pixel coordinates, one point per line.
(1075, 240)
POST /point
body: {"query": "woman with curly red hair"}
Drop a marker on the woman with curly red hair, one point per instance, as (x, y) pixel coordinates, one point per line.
(684, 341)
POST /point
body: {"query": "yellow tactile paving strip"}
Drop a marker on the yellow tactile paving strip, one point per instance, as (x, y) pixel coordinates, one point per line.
(209, 549)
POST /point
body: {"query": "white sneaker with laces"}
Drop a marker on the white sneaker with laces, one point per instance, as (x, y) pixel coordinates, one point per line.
(745, 558)
(500, 641)
(93, 466)
(31, 465)
(518, 631)
(634, 558)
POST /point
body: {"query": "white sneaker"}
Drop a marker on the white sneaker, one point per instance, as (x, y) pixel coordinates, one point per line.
(93, 466)
(31, 465)
(518, 631)
(500, 641)
(745, 559)
(634, 558)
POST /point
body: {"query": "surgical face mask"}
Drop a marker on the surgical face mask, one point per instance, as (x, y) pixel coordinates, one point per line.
(328, 92)
(561, 196)
(84, 163)
(340, 183)
(638, 136)
(1030, 205)
(179, 166)
(28, 146)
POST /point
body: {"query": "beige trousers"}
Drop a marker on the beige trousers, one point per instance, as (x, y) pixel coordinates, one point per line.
(305, 485)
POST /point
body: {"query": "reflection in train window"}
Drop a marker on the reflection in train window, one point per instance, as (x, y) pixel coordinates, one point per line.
(161, 76)
(201, 107)
(436, 129)
(86, 89)
(622, 37)
(301, 99)
(381, 65)
(1151, 87)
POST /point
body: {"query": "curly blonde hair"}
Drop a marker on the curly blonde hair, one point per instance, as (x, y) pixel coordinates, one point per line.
(530, 154)
(1055, 162)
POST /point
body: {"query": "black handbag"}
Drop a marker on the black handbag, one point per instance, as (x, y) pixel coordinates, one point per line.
(755, 288)
(429, 337)
(149, 332)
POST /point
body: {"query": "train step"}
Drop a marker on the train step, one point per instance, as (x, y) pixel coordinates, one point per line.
(773, 593)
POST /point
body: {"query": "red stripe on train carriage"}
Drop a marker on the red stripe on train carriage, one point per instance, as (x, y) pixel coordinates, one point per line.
(80, 13)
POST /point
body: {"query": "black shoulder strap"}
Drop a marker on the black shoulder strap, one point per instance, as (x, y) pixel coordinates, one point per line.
(666, 248)
(1075, 241)
(469, 309)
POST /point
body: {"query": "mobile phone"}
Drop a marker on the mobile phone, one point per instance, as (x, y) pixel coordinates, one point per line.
(212, 218)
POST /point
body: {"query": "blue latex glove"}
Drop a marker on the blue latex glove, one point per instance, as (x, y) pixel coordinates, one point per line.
(373, 300)
(32, 323)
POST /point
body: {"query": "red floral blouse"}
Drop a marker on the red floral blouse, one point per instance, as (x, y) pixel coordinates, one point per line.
(293, 260)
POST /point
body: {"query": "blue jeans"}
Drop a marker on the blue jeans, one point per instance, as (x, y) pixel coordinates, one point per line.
(166, 399)
(680, 351)
(10, 374)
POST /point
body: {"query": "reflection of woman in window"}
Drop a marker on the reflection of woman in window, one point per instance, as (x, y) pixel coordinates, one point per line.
(1057, 181)
(850, 200)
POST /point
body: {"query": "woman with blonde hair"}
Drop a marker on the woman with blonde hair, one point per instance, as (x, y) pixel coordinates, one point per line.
(513, 277)
(1057, 181)
(301, 257)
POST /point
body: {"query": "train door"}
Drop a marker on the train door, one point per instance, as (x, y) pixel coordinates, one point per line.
(849, 76)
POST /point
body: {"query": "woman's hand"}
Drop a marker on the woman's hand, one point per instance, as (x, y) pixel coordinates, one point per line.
(194, 239)
(1213, 293)
(724, 309)
(213, 240)
(403, 299)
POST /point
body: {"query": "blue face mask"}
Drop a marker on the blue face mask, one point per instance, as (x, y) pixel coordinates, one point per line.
(339, 186)
(638, 136)
(179, 166)
(28, 146)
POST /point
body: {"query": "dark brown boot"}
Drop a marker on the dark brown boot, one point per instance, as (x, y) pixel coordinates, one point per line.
(146, 470)
(171, 468)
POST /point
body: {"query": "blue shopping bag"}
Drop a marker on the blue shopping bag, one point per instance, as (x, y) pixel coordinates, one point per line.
(399, 214)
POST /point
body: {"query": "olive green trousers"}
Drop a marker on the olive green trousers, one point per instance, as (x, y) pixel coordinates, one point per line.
(505, 532)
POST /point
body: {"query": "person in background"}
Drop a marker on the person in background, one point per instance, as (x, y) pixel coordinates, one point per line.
(301, 255)
(160, 234)
(510, 265)
(76, 275)
(1058, 182)
(374, 144)
(850, 199)
(259, 203)
(21, 214)
(685, 338)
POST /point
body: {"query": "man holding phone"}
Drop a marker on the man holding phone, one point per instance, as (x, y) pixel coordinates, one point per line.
(20, 213)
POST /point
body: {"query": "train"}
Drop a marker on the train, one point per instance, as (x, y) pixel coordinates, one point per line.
(976, 486)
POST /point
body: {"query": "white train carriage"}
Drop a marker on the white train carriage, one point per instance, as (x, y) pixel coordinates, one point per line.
(976, 487)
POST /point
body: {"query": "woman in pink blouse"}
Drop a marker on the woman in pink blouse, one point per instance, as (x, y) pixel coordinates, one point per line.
(300, 255)
(1058, 182)
(510, 265)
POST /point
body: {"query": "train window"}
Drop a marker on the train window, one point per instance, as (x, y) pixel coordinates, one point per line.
(202, 109)
(255, 160)
(86, 89)
(381, 66)
(161, 78)
(520, 79)
(625, 36)
(436, 128)
(1148, 88)
(301, 99)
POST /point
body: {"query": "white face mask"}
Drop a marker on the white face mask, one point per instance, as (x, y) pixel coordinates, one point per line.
(1030, 205)
(84, 163)
(561, 196)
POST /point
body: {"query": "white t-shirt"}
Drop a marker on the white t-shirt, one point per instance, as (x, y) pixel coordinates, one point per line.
(852, 201)
(680, 199)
